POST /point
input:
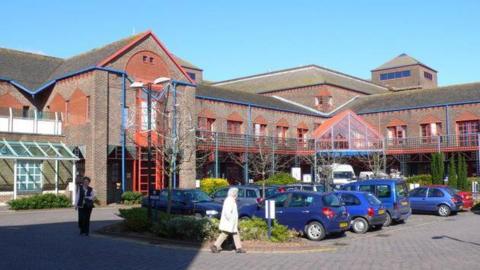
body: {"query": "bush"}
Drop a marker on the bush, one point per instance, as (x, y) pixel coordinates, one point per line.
(422, 179)
(209, 185)
(186, 227)
(279, 179)
(132, 197)
(40, 201)
(257, 229)
(437, 168)
(136, 219)
(452, 173)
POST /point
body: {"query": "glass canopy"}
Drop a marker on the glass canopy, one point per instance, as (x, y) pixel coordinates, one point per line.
(35, 150)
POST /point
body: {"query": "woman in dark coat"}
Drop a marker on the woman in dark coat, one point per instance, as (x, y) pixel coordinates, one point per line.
(84, 205)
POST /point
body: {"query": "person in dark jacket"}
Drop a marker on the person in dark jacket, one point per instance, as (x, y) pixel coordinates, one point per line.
(84, 205)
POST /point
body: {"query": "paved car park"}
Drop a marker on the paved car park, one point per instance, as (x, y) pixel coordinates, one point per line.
(49, 240)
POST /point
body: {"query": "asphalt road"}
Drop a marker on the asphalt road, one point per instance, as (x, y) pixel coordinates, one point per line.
(49, 240)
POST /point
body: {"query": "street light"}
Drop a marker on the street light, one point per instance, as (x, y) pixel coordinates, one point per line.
(141, 85)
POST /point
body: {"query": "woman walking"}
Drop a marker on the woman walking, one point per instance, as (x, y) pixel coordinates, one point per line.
(84, 205)
(229, 223)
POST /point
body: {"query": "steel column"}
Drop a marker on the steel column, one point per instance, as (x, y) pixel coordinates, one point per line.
(123, 138)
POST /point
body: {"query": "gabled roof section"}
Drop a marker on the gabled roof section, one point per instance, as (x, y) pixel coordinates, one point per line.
(401, 61)
(209, 92)
(300, 77)
(28, 69)
(412, 99)
(186, 64)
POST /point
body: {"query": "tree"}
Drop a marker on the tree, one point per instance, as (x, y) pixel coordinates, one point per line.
(452, 173)
(437, 168)
(462, 173)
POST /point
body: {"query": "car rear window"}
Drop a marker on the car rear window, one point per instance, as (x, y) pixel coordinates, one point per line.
(383, 191)
(308, 188)
(251, 193)
(372, 199)
(401, 190)
(367, 188)
(331, 200)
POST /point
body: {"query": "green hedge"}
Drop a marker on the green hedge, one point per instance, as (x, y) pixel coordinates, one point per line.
(200, 229)
(209, 185)
(136, 219)
(41, 201)
(422, 179)
(132, 197)
(279, 179)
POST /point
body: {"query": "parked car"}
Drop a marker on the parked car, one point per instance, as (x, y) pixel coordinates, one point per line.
(342, 174)
(307, 187)
(186, 202)
(439, 199)
(392, 193)
(314, 214)
(366, 210)
(467, 197)
(365, 175)
(246, 195)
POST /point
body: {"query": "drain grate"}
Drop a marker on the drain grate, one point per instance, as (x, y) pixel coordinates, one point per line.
(340, 244)
(382, 235)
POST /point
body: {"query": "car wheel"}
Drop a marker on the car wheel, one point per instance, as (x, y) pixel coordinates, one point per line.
(444, 210)
(388, 220)
(360, 225)
(315, 231)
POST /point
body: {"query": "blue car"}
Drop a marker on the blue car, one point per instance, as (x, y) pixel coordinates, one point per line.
(366, 210)
(315, 214)
(186, 202)
(441, 200)
(391, 192)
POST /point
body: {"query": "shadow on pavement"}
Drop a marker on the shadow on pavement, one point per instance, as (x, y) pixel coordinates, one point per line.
(59, 246)
(455, 239)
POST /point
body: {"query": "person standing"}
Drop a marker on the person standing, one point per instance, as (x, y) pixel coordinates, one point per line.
(229, 223)
(84, 205)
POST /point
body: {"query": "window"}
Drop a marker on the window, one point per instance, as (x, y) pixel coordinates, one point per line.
(29, 175)
(145, 58)
(323, 100)
(282, 132)
(280, 200)
(428, 75)
(302, 134)
(260, 129)
(401, 190)
(418, 193)
(300, 200)
(467, 132)
(367, 188)
(192, 75)
(383, 191)
(430, 130)
(234, 127)
(372, 199)
(25, 111)
(396, 135)
(435, 193)
(395, 75)
(241, 192)
(221, 193)
(251, 193)
(151, 60)
(350, 199)
(331, 200)
(205, 124)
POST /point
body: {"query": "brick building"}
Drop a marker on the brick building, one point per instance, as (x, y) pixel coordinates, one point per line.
(81, 106)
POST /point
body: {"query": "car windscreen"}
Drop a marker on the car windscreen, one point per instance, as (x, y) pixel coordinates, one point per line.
(372, 199)
(401, 190)
(342, 175)
(331, 200)
(197, 196)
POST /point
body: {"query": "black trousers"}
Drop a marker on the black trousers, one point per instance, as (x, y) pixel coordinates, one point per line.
(84, 219)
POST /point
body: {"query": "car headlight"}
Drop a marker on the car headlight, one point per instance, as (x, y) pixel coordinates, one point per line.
(211, 212)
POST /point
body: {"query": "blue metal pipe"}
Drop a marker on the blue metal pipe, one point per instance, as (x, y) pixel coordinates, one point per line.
(123, 131)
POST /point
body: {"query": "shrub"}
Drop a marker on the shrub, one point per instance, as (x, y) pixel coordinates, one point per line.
(422, 179)
(462, 182)
(452, 173)
(209, 185)
(132, 197)
(279, 179)
(40, 201)
(437, 168)
(257, 229)
(136, 219)
(186, 228)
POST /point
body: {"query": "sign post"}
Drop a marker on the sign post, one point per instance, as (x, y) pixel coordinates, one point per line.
(269, 215)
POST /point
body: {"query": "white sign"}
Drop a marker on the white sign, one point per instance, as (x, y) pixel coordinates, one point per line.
(197, 183)
(297, 173)
(270, 209)
(307, 178)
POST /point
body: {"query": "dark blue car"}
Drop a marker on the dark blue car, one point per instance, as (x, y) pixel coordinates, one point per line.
(315, 214)
(366, 210)
(391, 192)
(441, 200)
(186, 202)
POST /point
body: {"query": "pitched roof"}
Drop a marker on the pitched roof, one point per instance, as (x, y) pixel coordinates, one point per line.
(34, 70)
(468, 93)
(298, 77)
(29, 69)
(185, 63)
(238, 97)
(400, 61)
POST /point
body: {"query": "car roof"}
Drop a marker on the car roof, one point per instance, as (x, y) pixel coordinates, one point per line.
(351, 192)
(377, 181)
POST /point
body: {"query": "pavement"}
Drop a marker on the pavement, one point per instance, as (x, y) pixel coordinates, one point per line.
(48, 239)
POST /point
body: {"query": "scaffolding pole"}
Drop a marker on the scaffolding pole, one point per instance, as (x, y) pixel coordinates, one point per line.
(216, 156)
